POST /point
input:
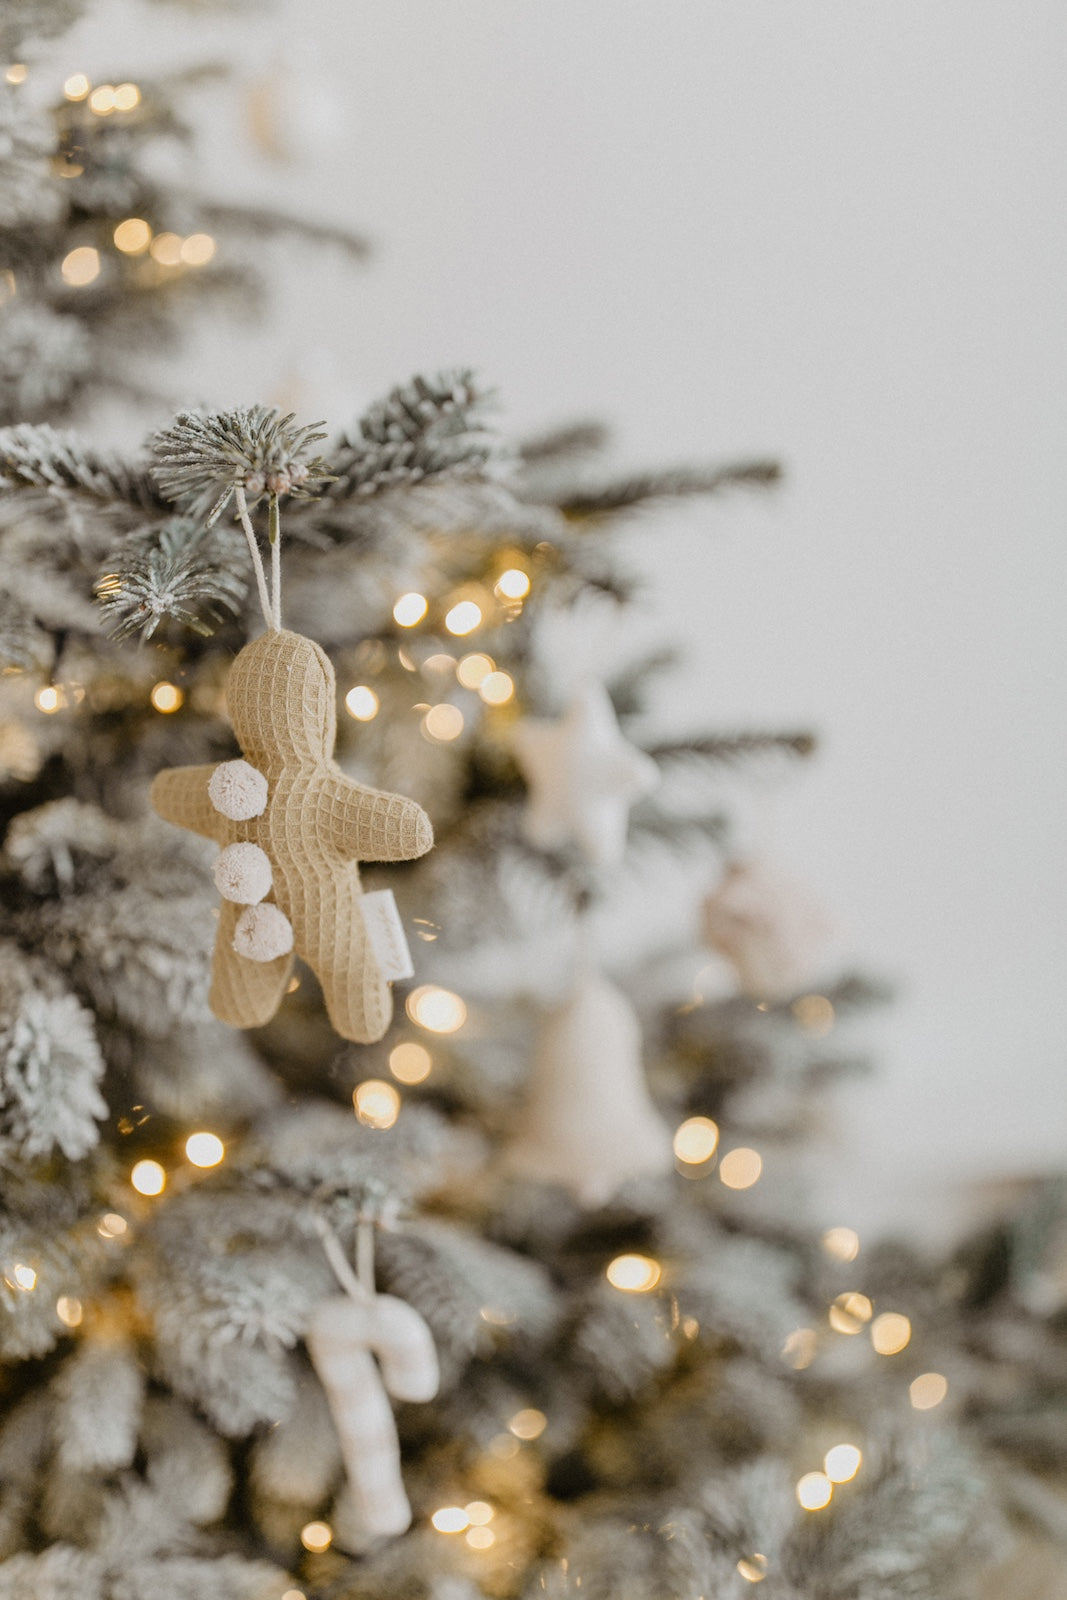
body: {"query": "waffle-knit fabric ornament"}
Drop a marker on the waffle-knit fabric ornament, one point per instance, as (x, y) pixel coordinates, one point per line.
(314, 826)
(770, 928)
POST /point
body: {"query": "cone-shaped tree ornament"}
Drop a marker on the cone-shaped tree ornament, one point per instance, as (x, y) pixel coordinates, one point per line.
(589, 1123)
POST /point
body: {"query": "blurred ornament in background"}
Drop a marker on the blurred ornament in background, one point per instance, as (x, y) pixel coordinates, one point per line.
(295, 110)
(769, 927)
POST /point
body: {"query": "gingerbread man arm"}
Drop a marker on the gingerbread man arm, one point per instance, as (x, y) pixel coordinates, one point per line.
(179, 795)
(371, 825)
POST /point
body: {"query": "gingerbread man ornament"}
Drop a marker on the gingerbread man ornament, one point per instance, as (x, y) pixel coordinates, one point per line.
(292, 828)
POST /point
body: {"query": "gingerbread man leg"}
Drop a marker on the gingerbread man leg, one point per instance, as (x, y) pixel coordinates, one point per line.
(358, 999)
(244, 993)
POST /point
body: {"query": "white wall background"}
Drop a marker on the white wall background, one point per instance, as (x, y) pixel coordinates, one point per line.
(830, 231)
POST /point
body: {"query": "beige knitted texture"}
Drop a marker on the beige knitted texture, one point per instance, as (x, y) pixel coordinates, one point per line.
(317, 826)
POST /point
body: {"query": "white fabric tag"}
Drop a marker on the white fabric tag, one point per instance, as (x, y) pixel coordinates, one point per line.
(386, 934)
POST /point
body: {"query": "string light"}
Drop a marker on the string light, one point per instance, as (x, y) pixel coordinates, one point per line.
(49, 699)
(843, 1244)
(814, 1490)
(112, 1226)
(198, 249)
(166, 697)
(81, 266)
(435, 1009)
(316, 1537)
(410, 1063)
(440, 662)
(928, 1390)
(463, 618)
(514, 584)
(528, 1424)
(753, 1568)
(102, 100)
(410, 609)
(24, 1277)
(442, 723)
(77, 86)
(842, 1462)
(479, 1512)
(166, 248)
(741, 1168)
(800, 1348)
(17, 72)
(480, 1538)
(69, 1310)
(850, 1312)
(474, 669)
(127, 96)
(377, 1103)
(696, 1141)
(497, 689)
(451, 1519)
(133, 236)
(148, 1178)
(890, 1333)
(635, 1274)
(362, 703)
(204, 1149)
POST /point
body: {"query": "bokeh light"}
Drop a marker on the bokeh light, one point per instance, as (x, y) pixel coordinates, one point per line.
(148, 1177)
(843, 1244)
(890, 1333)
(473, 670)
(435, 1009)
(362, 703)
(81, 266)
(696, 1141)
(740, 1168)
(928, 1390)
(166, 697)
(377, 1103)
(410, 1062)
(204, 1149)
(410, 609)
(814, 1490)
(463, 618)
(316, 1536)
(842, 1462)
(636, 1274)
(850, 1312)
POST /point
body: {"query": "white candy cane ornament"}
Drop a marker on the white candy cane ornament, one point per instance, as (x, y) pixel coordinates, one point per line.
(344, 1337)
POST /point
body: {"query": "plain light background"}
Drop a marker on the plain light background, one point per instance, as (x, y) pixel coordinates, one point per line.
(830, 232)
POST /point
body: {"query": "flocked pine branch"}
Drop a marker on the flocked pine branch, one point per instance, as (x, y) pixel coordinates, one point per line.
(422, 429)
(676, 483)
(565, 443)
(203, 458)
(44, 458)
(725, 749)
(182, 570)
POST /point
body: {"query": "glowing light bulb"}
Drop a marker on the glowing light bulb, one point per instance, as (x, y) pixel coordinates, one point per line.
(133, 236)
(410, 609)
(443, 723)
(635, 1274)
(528, 1424)
(204, 1149)
(127, 95)
(850, 1312)
(753, 1568)
(890, 1333)
(928, 1390)
(81, 266)
(410, 1063)
(814, 1490)
(198, 249)
(77, 86)
(800, 1348)
(362, 703)
(102, 100)
(514, 584)
(474, 669)
(436, 1010)
(166, 697)
(70, 1311)
(451, 1519)
(112, 1226)
(24, 1276)
(497, 689)
(166, 248)
(842, 1462)
(740, 1168)
(316, 1537)
(463, 618)
(48, 699)
(148, 1178)
(843, 1244)
(377, 1103)
(696, 1141)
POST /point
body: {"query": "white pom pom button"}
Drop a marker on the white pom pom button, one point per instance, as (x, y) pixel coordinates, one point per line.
(237, 790)
(263, 933)
(242, 873)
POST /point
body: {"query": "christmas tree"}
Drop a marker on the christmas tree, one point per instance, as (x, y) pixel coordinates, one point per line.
(396, 1221)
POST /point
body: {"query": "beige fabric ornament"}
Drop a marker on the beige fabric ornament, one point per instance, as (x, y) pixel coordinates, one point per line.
(769, 927)
(314, 828)
(589, 1123)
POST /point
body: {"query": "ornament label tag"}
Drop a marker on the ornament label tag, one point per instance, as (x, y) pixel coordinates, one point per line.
(386, 934)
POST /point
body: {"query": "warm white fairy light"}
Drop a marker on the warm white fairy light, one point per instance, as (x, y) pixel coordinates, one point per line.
(850, 1312)
(451, 1519)
(112, 1225)
(443, 723)
(740, 1168)
(800, 1347)
(81, 266)
(815, 1014)
(435, 1009)
(890, 1333)
(294, 1594)
(410, 1062)
(473, 670)
(928, 1390)
(133, 236)
(463, 617)
(362, 703)
(633, 1273)
(843, 1244)
(166, 697)
(753, 1568)
(70, 1310)
(410, 609)
(77, 86)
(480, 1538)
(17, 72)
(198, 249)
(814, 1490)
(25, 1277)
(204, 1149)
(148, 1177)
(377, 1103)
(479, 1512)
(696, 1141)
(102, 100)
(127, 96)
(527, 1424)
(316, 1537)
(48, 699)
(497, 689)
(514, 584)
(842, 1462)
(166, 248)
